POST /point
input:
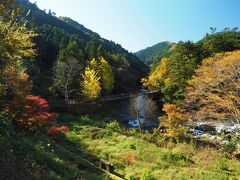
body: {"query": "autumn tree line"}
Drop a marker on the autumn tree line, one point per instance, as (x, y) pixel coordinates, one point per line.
(199, 81)
(21, 111)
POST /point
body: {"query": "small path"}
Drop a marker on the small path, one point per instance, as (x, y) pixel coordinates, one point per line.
(72, 102)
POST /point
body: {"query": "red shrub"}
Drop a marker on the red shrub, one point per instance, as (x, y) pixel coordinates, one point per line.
(36, 113)
(130, 157)
(55, 130)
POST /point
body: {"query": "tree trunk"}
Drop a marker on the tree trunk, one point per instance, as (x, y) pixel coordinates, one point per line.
(140, 125)
(66, 95)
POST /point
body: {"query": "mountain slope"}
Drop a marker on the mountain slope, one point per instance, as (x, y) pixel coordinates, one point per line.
(149, 54)
(56, 33)
(78, 26)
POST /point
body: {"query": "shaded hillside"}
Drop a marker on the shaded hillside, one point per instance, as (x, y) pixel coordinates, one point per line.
(56, 34)
(150, 54)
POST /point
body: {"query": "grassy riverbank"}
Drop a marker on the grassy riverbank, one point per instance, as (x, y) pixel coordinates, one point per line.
(77, 155)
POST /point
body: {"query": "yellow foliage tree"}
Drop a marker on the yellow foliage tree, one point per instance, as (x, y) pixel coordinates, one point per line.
(94, 64)
(104, 70)
(107, 76)
(15, 44)
(213, 92)
(173, 120)
(90, 85)
(158, 77)
(15, 39)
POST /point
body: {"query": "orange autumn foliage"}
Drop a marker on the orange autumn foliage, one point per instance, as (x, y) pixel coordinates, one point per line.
(173, 120)
(213, 92)
(130, 157)
(18, 86)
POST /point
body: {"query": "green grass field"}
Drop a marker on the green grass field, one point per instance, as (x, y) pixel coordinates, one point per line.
(76, 155)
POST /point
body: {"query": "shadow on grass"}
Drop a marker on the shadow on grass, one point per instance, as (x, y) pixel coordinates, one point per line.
(41, 157)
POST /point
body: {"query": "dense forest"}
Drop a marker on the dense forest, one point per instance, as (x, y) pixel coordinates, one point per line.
(61, 39)
(45, 59)
(176, 68)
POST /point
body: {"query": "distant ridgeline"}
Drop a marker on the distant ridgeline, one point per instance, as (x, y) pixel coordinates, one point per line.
(152, 54)
(58, 37)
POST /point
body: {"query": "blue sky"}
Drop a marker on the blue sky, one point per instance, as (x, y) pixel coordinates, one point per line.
(137, 24)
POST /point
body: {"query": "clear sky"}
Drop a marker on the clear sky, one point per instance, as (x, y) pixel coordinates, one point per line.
(137, 24)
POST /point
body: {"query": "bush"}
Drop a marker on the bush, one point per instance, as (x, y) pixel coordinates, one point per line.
(147, 175)
(5, 121)
(56, 130)
(134, 131)
(5, 126)
(98, 133)
(130, 157)
(223, 164)
(231, 145)
(174, 156)
(36, 113)
(113, 126)
(133, 147)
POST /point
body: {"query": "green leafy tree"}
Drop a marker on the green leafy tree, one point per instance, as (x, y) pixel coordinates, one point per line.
(107, 75)
(90, 86)
(182, 63)
(172, 73)
(15, 42)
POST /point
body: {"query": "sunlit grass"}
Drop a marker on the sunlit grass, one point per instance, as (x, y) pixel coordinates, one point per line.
(77, 154)
(181, 161)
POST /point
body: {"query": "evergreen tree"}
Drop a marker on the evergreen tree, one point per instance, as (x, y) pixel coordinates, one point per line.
(91, 49)
(100, 51)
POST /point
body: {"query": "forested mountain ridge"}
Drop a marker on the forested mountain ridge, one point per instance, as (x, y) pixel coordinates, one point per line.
(78, 26)
(56, 34)
(174, 71)
(150, 55)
